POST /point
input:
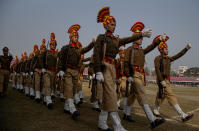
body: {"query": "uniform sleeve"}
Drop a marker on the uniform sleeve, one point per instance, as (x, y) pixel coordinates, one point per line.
(157, 68)
(87, 48)
(154, 44)
(97, 55)
(180, 54)
(123, 41)
(126, 63)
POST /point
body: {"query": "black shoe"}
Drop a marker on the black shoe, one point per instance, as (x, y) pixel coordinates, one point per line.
(187, 118)
(32, 97)
(120, 108)
(81, 99)
(157, 122)
(108, 129)
(62, 99)
(128, 118)
(38, 100)
(52, 96)
(1, 94)
(66, 111)
(50, 106)
(27, 95)
(75, 115)
(96, 109)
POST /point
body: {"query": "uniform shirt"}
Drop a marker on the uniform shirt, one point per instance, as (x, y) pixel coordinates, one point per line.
(38, 60)
(112, 47)
(71, 55)
(163, 64)
(5, 62)
(138, 56)
(50, 59)
(27, 66)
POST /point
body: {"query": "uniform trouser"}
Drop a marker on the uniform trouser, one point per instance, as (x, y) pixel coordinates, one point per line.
(122, 87)
(29, 81)
(4, 79)
(96, 91)
(109, 99)
(20, 79)
(80, 81)
(37, 79)
(49, 82)
(168, 94)
(137, 90)
(71, 83)
(15, 79)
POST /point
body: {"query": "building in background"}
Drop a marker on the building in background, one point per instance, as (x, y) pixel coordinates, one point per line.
(181, 70)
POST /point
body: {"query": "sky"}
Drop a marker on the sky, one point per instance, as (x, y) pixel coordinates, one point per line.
(24, 23)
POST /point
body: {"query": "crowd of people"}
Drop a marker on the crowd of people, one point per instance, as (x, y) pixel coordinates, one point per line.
(47, 73)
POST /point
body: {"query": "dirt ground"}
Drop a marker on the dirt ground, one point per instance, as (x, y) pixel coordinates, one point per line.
(20, 113)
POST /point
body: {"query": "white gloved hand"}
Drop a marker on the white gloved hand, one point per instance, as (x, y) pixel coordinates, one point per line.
(99, 77)
(23, 74)
(58, 74)
(188, 46)
(31, 73)
(26, 74)
(130, 79)
(61, 74)
(43, 70)
(93, 76)
(147, 33)
(15, 73)
(163, 37)
(93, 40)
(164, 84)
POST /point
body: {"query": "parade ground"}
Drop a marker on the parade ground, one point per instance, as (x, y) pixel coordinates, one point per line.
(19, 113)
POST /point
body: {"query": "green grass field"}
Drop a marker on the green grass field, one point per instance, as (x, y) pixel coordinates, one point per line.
(20, 113)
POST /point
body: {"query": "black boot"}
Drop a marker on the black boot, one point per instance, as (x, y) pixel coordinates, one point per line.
(62, 99)
(66, 111)
(75, 115)
(187, 118)
(108, 129)
(96, 109)
(128, 118)
(32, 97)
(50, 106)
(157, 122)
(38, 100)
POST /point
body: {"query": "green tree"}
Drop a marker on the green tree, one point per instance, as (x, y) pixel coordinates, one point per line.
(194, 71)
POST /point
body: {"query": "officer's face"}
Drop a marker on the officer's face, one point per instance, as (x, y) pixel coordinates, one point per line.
(139, 42)
(74, 39)
(5, 53)
(111, 27)
(165, 51)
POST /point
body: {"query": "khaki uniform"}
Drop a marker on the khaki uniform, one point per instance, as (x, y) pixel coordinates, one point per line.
(134, 67)
(121, 78)
(4, 73)
(50, 60)
(70, 64)
(20, 76)
(109, 101)
(37, 66)
(162, 68)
